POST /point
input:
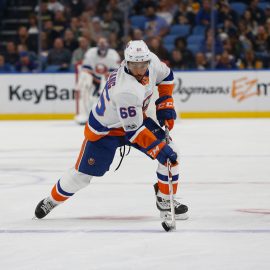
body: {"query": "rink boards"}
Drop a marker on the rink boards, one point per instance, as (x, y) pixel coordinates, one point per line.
(198, 94)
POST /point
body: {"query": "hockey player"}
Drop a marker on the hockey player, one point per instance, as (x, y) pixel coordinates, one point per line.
(96, 65)
(118, 119)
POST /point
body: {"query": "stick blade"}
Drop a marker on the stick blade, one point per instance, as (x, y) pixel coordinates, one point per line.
(167, 227)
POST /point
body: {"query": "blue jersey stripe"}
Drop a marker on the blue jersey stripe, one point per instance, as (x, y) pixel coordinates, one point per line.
(93, 122)
(62, 191)
(169, 78)
(165, 177)
(87, 67)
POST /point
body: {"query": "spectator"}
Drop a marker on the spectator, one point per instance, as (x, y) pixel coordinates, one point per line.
(4, 68)
(267, 16)
(163, 11)
(50, 33)
(97, 31)
(59, 22)
(228, 27)
(155, 25)
(59, 56)
(176, 60)
(225, 62)
(245, 36)
(25, 64)
(75, 27)
(11, 54)
(33, 28)
(256, 13)
(203, 17)
(226, 13)
(184, 14)
(201, 62)
(115, 42)
(249, 22)
(117, 13)
(260, 41)
(139, 7)
(236, 46)
(70, 42)
(46, 14)
(55, 6)
(249, 61)
(30, 41)
(156, 46)
(109, 24)
(86, 34)
(44, 46)
(79, 53)
(76, 7)
(23, 48)
(181, 45)
(206, 47)
(137, 34)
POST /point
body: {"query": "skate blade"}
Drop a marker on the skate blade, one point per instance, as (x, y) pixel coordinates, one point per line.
(167, 216)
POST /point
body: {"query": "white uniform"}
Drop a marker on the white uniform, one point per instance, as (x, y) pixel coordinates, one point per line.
(124, 99)
(92, 78)
(98, 64)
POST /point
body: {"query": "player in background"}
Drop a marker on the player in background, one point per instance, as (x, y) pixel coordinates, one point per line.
(96, 65)
(119, 119)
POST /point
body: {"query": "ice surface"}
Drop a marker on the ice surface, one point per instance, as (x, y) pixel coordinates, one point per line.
(113, 223)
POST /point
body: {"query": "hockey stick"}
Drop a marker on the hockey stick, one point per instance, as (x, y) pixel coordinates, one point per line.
(166, 225)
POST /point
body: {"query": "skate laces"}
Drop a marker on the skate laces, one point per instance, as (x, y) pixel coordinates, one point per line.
(165, 203)
(48, 205)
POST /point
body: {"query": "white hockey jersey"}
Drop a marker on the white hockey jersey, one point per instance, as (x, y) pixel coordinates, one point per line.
(120, 109)
(99, 65)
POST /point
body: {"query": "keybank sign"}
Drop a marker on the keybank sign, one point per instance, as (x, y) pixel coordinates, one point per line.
(49, 92)
(37, 93)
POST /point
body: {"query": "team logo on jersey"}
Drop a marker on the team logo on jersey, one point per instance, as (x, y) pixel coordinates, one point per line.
(101, 69)
(91, 161)
(131, 127)
(145, 80)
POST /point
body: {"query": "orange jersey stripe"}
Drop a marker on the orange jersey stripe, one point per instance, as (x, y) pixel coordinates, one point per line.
(56, 196)
(90, 135)
(80, 155)
(145, 138)
(164, 188)
(117, 132)
(165, 89)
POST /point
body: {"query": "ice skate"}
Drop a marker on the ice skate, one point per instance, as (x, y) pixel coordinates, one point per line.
(44, 207)
(163, 205)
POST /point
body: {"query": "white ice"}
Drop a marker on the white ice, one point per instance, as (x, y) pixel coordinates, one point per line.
(114, 224)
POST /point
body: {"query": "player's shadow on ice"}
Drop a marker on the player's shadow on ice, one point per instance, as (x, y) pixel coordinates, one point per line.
(114, 218)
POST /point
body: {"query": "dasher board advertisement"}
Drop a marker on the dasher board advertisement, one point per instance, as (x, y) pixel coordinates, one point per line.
(197, 94)
(227, 93)
(37, 93)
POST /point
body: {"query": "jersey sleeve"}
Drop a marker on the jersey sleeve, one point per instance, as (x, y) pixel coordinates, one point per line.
(165, 78)
(117, 61)
(86, 64)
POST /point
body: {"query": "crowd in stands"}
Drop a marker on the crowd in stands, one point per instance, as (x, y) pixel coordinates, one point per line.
(183, 33)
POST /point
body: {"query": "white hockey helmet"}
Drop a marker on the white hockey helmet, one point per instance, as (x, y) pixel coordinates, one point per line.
(137, 51)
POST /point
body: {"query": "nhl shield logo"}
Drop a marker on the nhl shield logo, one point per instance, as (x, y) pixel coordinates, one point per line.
(91, 161)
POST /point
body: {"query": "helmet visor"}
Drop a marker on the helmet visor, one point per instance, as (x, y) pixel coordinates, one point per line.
(138, 65)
